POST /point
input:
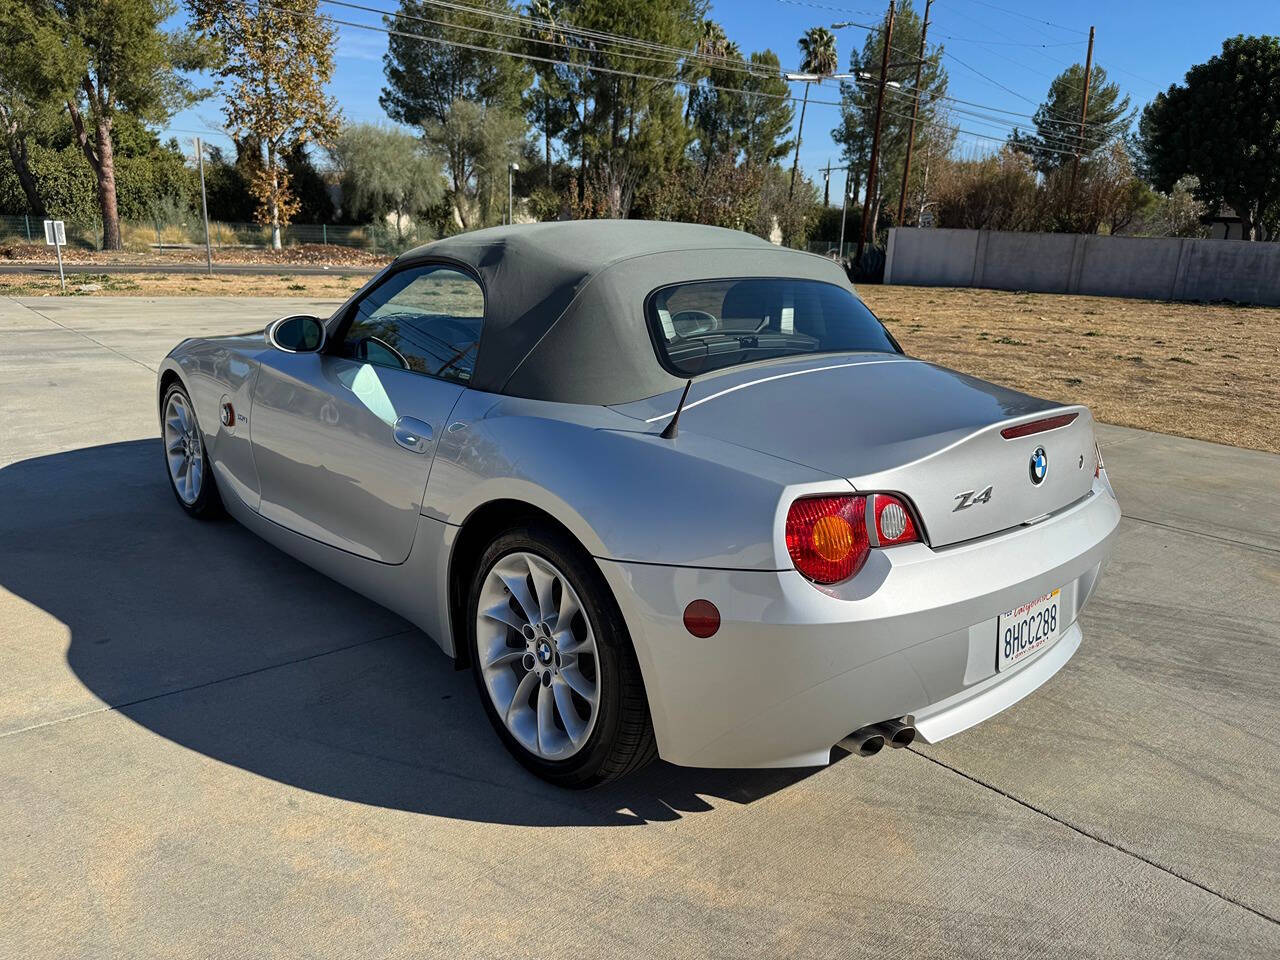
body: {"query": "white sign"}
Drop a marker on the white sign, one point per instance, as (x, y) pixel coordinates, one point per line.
(926, 218)
(55, 233)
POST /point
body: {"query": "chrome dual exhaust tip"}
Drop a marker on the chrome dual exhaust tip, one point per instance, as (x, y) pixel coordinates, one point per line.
(871, 739)
(897, 733)
(864, 742)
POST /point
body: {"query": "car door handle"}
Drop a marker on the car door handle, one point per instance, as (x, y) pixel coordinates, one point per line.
(412, 434)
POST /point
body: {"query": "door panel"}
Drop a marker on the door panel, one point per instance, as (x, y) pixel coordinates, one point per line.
(324, 438)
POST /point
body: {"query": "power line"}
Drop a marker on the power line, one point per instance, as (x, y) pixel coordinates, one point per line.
(733, 66)
(1025, 16)
(673, 81)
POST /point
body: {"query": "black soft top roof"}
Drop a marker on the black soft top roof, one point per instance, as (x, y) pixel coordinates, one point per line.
(564, 301)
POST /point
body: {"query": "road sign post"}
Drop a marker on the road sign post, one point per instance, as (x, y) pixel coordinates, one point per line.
(204, 206)
(55, 235)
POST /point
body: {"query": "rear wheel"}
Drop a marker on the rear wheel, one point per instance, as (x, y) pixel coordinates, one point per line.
(185, 457)
(554, 662)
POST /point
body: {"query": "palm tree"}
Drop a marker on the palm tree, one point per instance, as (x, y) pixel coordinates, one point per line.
(819, 48)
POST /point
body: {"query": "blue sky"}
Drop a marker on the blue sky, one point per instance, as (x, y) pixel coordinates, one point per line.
(1144, 44)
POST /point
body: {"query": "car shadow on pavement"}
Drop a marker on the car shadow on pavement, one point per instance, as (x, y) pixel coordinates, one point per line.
(210, 638)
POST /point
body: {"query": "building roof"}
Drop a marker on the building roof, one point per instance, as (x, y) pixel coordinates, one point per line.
(564, 301)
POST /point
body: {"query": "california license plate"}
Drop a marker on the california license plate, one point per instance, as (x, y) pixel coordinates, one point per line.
(1022, 631)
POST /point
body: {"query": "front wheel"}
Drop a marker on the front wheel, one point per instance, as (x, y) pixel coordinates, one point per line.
(186, 458)
(554, 662)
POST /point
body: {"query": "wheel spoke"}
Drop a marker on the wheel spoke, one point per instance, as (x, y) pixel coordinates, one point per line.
(521, 696)
(568, 608)
(568, 644)
(502, 613)
(501, 656)
(543, 582)
(580, 684)
(574, 725)
(515, 582)
(546, 719)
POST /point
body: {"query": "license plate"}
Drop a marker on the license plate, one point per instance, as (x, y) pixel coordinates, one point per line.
(1022, 631)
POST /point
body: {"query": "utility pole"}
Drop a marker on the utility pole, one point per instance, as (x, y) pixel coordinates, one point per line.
(1084, 114)
(844, 206)
(799, 130)
(204, 206)
(826, 184)
(875, 138)
(915, 109)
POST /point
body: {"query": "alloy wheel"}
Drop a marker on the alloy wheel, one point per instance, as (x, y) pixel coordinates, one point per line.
(183, 449)
(538, 655)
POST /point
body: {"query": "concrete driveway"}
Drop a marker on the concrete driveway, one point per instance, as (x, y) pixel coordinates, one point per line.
(206, 749)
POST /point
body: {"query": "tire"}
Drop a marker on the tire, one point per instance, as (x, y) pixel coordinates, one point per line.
(182, 445)
(592, 647)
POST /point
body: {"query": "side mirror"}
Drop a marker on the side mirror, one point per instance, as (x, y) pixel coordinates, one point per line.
(300, 334)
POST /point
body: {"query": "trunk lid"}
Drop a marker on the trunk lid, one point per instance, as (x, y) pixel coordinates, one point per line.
(895, 424)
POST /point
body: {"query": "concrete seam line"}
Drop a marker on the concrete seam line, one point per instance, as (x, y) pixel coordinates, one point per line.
(63, 326)
(1200, 533)
(1099, 839)
(110, 707)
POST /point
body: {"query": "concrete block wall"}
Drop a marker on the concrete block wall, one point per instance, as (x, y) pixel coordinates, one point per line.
(1151, 268)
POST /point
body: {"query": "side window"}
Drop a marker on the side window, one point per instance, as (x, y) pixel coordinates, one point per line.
(426, 319)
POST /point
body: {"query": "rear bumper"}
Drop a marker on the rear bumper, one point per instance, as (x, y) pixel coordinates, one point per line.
(794, 669)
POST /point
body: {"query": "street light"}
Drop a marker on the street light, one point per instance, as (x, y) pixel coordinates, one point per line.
(511, 170)
(807, 78)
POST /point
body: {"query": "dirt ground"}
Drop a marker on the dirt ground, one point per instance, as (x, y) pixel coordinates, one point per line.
(305, 253)
(1206, 371)
(283, 284)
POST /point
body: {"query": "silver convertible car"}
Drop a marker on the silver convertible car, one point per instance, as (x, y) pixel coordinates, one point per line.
(668, 490)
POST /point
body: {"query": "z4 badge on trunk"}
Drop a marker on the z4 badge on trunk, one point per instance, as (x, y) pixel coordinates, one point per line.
(970, 497)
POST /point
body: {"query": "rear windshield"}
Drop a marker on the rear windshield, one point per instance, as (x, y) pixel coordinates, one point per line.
(710, 324)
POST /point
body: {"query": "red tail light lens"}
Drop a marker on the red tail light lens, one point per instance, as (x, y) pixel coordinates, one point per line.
(827, 537)
(1098, 466)
(893, 521)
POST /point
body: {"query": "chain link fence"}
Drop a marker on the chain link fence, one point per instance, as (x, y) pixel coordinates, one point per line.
(141, 236)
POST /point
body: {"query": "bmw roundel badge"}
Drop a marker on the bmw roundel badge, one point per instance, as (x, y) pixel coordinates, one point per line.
(1039, 465)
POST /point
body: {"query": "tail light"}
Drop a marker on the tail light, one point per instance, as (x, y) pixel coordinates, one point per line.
(893, 521)
(830, 538)
(1098, 466)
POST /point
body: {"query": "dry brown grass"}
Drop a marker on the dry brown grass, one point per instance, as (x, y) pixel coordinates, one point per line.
(1197, 370)
(1207, 371)
(335, 286)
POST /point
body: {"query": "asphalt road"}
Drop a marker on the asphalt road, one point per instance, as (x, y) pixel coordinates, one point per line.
(206, 749)
(242, 269)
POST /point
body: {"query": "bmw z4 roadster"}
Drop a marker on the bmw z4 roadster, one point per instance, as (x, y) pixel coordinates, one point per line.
(667, 490)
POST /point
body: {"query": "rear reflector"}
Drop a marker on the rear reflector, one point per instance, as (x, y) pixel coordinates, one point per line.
(701, 618)
(1037, 426)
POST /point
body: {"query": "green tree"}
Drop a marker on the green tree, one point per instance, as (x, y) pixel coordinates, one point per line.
(632, 133)
(386, 172)
(475, 143)
(764, 113)
(1057, 120)
(103, 60)
(21, 109)
(426, 81)
(712, 107)
(276, 60)
(933, 136)
(548, 106)
(1222, 126)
